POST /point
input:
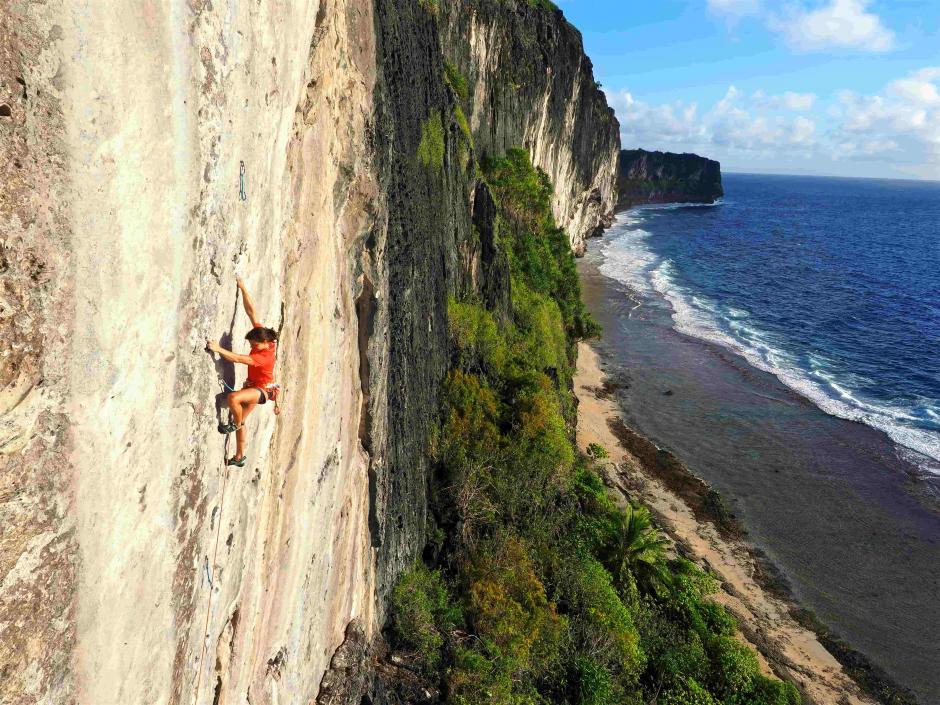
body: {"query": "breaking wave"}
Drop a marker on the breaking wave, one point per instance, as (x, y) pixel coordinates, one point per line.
(627, 257)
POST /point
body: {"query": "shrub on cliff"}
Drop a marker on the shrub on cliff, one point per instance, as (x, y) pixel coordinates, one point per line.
(476, 337)
(737, 679)
(539, 252)
(423, 613)
(456, 81)
(519, 637)
(510, 611)
(597, 452)
(686, 692)
(602, 625)
(565, 596)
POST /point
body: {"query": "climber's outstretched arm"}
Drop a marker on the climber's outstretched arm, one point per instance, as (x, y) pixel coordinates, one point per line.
(229, 355)
(249, 304)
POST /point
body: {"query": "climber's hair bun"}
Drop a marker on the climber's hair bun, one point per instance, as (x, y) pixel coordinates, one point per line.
(261, 335)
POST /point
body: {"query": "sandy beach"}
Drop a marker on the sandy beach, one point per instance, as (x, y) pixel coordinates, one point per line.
(788, 649)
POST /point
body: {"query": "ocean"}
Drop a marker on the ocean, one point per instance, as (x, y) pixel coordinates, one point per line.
(832, 285)
(784, 345)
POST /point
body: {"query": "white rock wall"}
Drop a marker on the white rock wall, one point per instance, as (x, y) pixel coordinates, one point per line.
(579, 206)
(158, 103)
(134, 566)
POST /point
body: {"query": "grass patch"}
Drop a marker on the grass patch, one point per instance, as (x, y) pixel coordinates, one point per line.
(431, 147)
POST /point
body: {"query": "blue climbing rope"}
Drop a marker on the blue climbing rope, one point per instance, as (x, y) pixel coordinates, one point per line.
(225, 384)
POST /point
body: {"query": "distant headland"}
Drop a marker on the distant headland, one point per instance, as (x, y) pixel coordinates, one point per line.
(664, 177)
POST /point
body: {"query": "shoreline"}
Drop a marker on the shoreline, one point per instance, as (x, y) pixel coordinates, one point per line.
(789, 639)
(924, 472)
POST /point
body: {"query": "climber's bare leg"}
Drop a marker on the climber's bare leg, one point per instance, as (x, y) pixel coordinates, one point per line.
(241, 403)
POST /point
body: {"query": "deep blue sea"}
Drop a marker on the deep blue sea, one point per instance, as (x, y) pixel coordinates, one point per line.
(832, 285)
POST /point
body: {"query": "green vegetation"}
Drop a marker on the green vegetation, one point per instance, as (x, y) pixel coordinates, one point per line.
(543, 589)
(596, 451)
(458, 84)
(432, 6)
(456, 80)
(431, 147)
(423, 613)
(539, 251)
(463, 124)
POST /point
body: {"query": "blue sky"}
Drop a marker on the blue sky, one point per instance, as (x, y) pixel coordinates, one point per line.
(841, 87)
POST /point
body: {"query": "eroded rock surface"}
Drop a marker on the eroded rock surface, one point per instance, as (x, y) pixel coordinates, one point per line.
(134, 566)
(530, 84)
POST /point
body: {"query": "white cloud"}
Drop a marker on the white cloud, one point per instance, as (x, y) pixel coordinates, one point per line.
(735, 122)
(802, 131)
(905, 120)
(899, 127)
(797, 102)
(832, 24)
(842, 24)
(920, 87)
(671, 123)
(865, 149)
(741, 125)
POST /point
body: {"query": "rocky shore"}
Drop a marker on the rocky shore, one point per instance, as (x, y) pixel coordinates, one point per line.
(701, 532)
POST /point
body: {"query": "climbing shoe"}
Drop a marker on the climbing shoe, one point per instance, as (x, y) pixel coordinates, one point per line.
(237, 462)
(226, 428)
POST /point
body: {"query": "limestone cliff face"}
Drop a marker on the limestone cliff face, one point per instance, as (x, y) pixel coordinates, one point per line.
(664, 177)
(530, 84)
(134, 567)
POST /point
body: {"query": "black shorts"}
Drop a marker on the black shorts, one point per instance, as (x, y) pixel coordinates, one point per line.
(262, 394)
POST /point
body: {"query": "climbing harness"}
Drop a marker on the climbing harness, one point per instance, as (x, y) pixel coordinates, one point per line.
(242, 194)
(271, 390)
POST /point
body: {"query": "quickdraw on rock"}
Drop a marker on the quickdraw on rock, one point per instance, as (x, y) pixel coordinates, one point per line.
(242, 179)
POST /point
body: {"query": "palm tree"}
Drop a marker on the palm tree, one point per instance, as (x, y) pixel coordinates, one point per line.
(637, 551)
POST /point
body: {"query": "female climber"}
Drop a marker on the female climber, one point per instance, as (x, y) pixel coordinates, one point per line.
(259, 388)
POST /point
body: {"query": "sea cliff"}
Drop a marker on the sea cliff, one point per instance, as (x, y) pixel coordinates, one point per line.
(401, 184)
(327, 152)
(529, 84)
(664, 177)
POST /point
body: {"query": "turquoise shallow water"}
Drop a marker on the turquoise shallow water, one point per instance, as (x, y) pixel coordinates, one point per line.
(849, 514)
